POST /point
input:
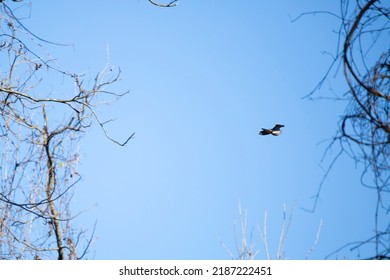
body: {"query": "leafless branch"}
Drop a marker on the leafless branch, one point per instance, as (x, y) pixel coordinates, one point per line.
(364, 128)
(315, 241)
(39, 135)
(170, 4)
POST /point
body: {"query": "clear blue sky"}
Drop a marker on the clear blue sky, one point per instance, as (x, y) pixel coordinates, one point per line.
(204, 78)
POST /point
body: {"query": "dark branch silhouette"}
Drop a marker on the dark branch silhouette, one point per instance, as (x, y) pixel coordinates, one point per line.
(364, 128)
(170, 4)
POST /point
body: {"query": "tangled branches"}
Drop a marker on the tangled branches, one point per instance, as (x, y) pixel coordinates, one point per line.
(364, 131)
(39, 134)
(367, 119)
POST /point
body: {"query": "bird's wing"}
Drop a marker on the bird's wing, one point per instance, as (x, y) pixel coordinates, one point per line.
(265, 131)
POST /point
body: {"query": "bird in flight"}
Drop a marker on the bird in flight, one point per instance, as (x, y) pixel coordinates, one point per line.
(274, 131)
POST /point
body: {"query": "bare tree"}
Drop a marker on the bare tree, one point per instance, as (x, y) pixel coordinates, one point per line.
(40, 131)
(364, 128)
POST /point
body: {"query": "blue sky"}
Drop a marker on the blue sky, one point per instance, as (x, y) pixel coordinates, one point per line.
(204, 78)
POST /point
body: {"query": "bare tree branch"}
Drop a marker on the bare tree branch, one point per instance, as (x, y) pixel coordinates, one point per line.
(364, 128)
(40, 135)
(170, 4)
